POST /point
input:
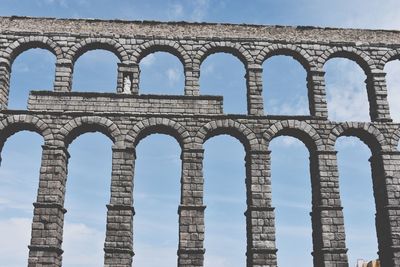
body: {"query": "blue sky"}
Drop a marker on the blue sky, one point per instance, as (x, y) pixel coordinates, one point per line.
(156, 218)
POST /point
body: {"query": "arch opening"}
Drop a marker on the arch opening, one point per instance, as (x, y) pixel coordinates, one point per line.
(232, 132)
(225, 198)
(357, 195)
(285, 86)
(347, 94)
(291, 197)
(156, 200)
(87, 128)
(87, 194)
(392, 70)
(19, 180)
(224, 74)
(32, 69)
(161, 73)
(95, 71)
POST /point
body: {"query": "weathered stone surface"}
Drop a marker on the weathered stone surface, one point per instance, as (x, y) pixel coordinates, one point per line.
(62, 115)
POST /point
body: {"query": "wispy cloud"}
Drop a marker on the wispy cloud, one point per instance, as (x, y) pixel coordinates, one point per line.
(61, 3)
(393, 86)
(200, 10)
(173, 76)
(175, 10)
(83, 245)
(148, 61)
(346, 91)
(195, 10)
(15, 234)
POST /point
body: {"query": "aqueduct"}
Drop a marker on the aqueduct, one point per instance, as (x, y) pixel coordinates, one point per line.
(126, 116)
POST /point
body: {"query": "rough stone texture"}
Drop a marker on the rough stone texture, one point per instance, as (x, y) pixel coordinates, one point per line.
(62, 115)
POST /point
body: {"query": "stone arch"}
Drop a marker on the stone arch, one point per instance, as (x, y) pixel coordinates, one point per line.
(394, 139)
(230, 127)
(88, 44)
(158, 125)
(235, 49)
(388, 56)
(20, 122)
(168, 46)
(360, 57)
(298, 129)
(25, 43)
(366, 132)
(296, 52)
(75, 127)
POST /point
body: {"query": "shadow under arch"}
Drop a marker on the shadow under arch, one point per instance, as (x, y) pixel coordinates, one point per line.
(388, 57)
(78, 126)
(235, 49)
(17, 123)
(297, 129)
(359, 57)
(90, 44)
(394, 140)
(23, 44)
(166, 126)
(366, 132)
(298, 54)
(154, 46)
(230, 127)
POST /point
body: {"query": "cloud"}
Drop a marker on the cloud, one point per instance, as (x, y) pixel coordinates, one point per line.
(393, 86)
(61, 3)
(155, 256)
(298, 107)
(148, 61)
(83, 245)
(175, 11)
(199, 10)
(286, 141)
(346, 91)
(15, 235)
(173, 76)
(196, 10)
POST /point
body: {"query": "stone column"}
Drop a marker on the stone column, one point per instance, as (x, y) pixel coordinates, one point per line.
(192, 76)
(386, 181)
(63, 79)
(327, 215)
(48, 215)
(317, 93)
(5, 71)
(131, 70)
(255, 105)
(128, 72)
(191, 211)
(118, 246)
(377, 96)
(260, 218)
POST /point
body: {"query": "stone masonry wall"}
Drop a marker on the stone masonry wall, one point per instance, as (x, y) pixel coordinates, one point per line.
(60, 115)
